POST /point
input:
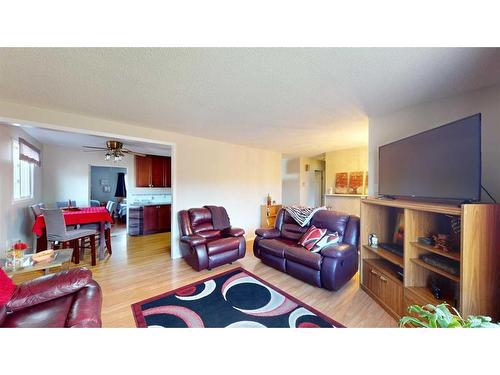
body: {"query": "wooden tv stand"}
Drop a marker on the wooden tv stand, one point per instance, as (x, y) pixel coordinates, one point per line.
(475, 291)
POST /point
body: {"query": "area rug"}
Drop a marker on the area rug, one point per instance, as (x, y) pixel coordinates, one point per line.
(232, 299)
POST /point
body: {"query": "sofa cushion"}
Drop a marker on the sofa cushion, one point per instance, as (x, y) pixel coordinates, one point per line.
(332, 220)
(276, 247)
(222, 245)
(292, 231)
(311, 237)
(329, 239)
(201, 219)
(51, 314)
(209, 234)
(304, 257)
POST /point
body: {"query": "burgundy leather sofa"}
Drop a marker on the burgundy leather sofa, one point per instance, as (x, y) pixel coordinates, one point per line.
(65, 299)
(330, 268)
(206, 248)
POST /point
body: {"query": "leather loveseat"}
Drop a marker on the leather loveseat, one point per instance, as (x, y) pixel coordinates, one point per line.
(65, 299)
(204, 247)
(330, 268)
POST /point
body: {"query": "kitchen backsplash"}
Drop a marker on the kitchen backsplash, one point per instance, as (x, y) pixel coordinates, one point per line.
(149, 198)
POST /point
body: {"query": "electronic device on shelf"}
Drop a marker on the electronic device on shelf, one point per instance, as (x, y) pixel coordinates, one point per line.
(443, 263)
(400, 273)
(394, 248)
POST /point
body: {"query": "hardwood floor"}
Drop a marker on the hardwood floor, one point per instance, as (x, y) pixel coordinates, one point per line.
(140, 267)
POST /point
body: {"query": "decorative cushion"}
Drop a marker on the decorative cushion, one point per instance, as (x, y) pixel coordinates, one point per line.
(7, 288)
(311, 237)
(329, 239)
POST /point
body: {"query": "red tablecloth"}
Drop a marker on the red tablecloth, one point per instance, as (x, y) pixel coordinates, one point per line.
(84, 216)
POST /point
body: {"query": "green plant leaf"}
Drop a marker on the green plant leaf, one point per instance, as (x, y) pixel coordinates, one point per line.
(409, 319)
(443, 316)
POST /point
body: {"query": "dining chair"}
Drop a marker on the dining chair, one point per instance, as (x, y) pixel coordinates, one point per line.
(57, 232)
(95, 203)
(63, 204)
(111, 207)
(36, 209)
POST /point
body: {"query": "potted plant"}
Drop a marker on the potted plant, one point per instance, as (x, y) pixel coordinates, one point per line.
(440, 316)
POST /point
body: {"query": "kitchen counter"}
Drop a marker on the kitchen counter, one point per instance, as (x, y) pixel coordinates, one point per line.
(139, 205)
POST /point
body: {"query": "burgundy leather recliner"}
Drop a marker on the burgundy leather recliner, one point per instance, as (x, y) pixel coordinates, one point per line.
(65, 299)
(206, 248)
(331, 268)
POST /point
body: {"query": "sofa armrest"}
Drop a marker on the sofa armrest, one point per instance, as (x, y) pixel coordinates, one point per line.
(233, 232)
(268, 233)
(48, 287)
(338, 250)
(194, 240)
(86, 309)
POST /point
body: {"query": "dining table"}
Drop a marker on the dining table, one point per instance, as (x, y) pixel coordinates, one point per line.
(76, 216)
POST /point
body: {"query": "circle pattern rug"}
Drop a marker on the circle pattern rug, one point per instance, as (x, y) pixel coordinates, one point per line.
(233, 299)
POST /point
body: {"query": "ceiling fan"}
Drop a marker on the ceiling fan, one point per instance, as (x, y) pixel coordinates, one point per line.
(114, 150)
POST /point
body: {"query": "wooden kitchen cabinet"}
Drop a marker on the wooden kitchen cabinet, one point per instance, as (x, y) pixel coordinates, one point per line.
(143, 171)
(157, 219)
(153, 171)
(164, 218)
(150, 219)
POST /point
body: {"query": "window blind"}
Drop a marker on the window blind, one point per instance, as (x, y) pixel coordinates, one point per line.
(28, 152)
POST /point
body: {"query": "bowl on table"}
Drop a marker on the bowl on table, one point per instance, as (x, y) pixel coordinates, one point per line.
(43, 256)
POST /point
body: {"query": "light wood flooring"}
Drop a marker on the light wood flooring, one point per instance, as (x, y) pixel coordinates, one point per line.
(140, 267)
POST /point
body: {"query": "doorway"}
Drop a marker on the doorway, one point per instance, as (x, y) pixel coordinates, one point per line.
(319, 188)
(103, 183)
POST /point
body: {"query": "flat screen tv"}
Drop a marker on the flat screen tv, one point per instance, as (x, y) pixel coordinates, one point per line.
(443, 163)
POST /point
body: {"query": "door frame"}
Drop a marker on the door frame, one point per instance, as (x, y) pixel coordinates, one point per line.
(174, 251)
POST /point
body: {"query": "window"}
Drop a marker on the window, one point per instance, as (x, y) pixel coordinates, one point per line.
(23, 175)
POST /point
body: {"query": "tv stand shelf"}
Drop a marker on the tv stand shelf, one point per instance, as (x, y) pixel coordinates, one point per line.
(432, 249)
(393, 258)
(474, 291)
(448, 275)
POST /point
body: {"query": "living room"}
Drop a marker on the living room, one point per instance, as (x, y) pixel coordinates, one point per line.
(297, 187)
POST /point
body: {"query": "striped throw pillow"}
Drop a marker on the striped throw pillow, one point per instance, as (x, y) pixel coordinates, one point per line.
(311, 237)
(329, 239)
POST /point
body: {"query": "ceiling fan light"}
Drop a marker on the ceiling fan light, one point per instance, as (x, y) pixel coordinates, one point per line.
(107, 157)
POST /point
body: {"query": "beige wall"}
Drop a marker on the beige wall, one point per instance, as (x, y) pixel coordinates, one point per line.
(204, 171)
(414, 120)
(348, 160)
(15, 217)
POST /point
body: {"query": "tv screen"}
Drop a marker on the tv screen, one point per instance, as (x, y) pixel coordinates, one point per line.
(442, 163)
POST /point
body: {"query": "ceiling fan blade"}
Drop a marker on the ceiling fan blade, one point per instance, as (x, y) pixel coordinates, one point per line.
(132, 152)
(93, 150)
(97, 148)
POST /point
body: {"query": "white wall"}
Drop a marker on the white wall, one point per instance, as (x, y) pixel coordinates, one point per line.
(204, 171)
(67, 174)
(290, 171)
(15, 217)
(414, 120)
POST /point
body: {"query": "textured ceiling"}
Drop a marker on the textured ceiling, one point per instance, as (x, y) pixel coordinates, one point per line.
(297, 101)
(76, 141)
